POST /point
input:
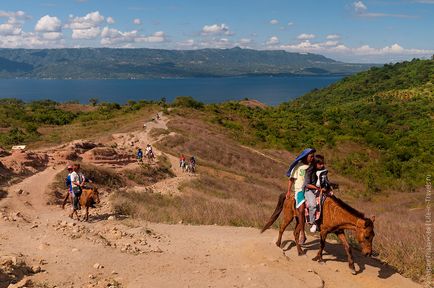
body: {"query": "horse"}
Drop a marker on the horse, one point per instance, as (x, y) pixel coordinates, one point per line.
(190, 167)
(150, 155)
(88, 198)
(337, 216)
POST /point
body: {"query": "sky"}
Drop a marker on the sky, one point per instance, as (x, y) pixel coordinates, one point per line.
(362, 31)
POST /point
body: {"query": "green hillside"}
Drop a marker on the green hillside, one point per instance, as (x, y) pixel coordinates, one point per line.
(106, 63)
(386, 113)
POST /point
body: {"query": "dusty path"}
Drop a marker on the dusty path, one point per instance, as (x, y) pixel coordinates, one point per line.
(133, 253)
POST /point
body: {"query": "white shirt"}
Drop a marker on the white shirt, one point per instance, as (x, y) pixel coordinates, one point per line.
(74, 178)
(298, 173)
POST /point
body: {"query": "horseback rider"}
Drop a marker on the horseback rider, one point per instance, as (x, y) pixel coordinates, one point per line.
(69, 194)
(192, 164)
(149, 151)
(139, 155)
(76, 183)
(182, 161)
(296, 174)
(316, 183)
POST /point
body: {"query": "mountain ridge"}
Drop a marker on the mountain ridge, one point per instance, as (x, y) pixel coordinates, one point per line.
(142, 63)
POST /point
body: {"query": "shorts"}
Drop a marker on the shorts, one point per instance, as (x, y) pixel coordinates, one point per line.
(299, 198)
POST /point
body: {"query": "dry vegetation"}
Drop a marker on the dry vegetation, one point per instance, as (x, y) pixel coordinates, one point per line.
(239, 186)
(94, 129)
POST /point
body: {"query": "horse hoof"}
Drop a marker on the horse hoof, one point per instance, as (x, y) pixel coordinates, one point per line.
(301, 253)
(353, 272)
(278, 244)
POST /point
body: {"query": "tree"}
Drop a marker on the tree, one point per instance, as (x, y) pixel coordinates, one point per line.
(93, 101)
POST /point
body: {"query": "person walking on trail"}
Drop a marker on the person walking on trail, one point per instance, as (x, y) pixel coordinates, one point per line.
(296, 174)
(139, 155)
(69, 194)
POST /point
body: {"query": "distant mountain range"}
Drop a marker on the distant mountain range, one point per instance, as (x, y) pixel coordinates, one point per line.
(107, 63)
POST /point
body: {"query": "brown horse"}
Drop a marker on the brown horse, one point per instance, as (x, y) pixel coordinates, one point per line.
(88, 198)
(337, 216)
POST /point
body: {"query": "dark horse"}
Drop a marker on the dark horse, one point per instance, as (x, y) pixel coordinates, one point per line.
(337, 216)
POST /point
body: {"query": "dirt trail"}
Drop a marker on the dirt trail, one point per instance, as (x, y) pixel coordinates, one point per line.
(110, 252)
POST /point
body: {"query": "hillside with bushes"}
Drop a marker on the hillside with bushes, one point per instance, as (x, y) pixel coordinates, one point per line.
(385, 115)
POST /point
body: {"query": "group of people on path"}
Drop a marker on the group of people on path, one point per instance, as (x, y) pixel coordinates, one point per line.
(189, 166)
(308, 182)
(75, 182)
(149, 153)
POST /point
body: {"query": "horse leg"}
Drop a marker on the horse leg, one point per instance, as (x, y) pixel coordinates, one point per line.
(288, 215)
(65, 200)
(297, 232)
(87, 213)
(322, 241)
(341, 236)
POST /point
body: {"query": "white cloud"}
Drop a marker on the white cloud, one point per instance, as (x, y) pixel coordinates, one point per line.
(305, 36)
(359, 7)
(333, 37)
(365, 53)
(190, 43)
(245, 41)
(86, 27)
(111, 36)
(157, 37)
(90, 33)
(14, 22)
(114, 37)
(216, 43)
(216, 29)
(48, 24)
(10, 29)
(91, 20)
(362, 10)
(137, 21)
(290, 23)
(32, 40)
(110, 20)
(273, 40)
(52, 35)
(274, 21)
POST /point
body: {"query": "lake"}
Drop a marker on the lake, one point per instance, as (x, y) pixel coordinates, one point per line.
(269, 90)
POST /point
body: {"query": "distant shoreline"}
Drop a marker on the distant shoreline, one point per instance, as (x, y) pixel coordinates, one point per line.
(280, 75)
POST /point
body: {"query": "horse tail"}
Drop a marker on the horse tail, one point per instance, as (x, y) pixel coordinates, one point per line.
(276, 212)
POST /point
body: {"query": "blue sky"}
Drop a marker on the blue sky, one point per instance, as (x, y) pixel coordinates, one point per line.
(352, 31)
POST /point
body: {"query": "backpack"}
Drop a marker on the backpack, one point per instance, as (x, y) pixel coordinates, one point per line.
(68, 181)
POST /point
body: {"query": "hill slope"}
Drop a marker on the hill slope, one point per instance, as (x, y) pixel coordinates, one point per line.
(386, 113)
(103, 63)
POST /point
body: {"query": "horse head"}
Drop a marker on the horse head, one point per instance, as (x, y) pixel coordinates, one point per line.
(365, 234)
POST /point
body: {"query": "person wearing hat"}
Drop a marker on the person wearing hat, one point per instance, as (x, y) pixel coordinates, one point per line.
(68, 185)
